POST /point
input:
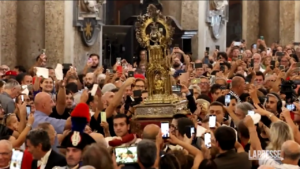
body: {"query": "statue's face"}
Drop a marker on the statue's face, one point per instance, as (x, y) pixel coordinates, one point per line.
(92, 5)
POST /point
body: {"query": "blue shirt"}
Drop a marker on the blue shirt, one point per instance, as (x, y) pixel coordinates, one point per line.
(58, 124)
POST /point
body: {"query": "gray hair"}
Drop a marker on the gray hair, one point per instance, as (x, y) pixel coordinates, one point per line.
(244, 107)
(11, 83)
(146, 151)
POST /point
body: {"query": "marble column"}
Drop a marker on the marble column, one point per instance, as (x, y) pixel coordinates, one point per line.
(297, 21)
(202, 27)
(69, 33)
(287, 22)
(250, 21)
(54, 31)
(268, 20)
(30, 31)
(8, 30)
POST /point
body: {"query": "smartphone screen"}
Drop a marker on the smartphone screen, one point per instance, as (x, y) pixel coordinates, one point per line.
(119, 61)
(22, 98)
(240, 57)
(262, 37)
(16, 159)
(212, 121)
(103, 116)
(290, 107)
(126, 155)
(176, 88)
(207, 140)
(28, 109)
(94, 89)
(198, 65)
(280, 54)
(281, 67)
(217, 47)
(250, 112)
(192, 130)
(165, 129)
(237, 43)
(254, 46)
(227, 100)
(131, 74)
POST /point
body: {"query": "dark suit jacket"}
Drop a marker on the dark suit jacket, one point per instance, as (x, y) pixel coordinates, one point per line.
(55, 159)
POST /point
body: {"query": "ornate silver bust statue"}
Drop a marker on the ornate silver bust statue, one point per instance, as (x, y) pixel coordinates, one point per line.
(217, 16)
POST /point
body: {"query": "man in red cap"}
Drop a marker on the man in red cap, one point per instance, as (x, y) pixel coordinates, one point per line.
(9, 75)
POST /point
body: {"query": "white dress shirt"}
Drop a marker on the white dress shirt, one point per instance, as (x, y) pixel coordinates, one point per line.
(43, 161)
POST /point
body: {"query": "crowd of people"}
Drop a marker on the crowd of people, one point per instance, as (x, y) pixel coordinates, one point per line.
(244, 111)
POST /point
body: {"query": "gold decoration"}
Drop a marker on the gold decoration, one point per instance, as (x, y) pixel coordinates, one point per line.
(154, 32)
(88, 30)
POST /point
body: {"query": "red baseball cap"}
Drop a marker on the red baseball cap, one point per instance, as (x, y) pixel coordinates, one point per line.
(139, 76)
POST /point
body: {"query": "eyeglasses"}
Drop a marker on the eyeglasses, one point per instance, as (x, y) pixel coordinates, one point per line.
(173, 126)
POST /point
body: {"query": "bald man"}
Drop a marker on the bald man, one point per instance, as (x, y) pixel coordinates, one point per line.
(238, 86)
(43, 105)
(290, 154)
(150, 132)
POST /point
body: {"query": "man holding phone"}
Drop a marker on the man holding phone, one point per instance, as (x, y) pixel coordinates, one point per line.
(257, 62)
